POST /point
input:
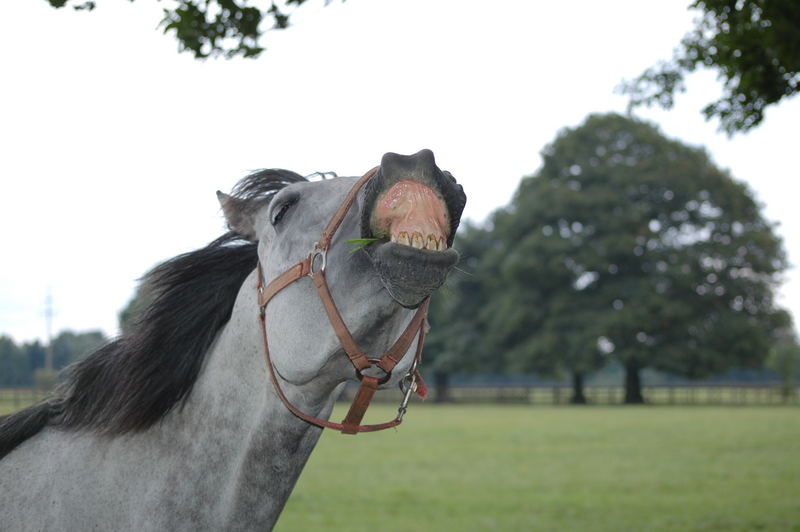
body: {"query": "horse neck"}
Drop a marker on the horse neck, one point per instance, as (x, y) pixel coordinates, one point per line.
(250, 438)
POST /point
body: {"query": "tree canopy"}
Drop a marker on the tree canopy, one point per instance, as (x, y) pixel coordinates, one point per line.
(216, 28)
(631, 246)
(754, 45)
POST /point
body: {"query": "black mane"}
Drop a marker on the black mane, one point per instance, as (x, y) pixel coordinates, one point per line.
(132, 382)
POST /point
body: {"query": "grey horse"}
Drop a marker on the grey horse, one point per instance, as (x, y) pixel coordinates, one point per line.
(176, 425)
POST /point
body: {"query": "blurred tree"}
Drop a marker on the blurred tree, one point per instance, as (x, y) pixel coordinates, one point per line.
(24, 366)
(128, 316)
(630, 245)
(784, 359)
(69, 346)
(214, 28)
(14, 369)
(35, 354)
(541, 317)
(754, 45)
(456, 342)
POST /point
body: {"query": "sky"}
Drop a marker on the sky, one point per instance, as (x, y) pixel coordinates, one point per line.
(112, 144)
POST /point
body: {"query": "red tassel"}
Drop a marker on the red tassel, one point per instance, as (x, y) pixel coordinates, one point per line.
(422, 389)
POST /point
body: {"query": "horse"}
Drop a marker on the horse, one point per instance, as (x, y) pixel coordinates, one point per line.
(203, 416)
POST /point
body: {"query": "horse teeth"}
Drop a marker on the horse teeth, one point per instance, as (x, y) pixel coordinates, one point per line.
(416, 240)
(432, 243)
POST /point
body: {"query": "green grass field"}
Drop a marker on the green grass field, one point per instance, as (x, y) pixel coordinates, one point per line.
(532, 468)
(522, 468)
(12, 400)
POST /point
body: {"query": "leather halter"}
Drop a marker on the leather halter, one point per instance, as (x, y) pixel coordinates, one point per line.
(387, 362)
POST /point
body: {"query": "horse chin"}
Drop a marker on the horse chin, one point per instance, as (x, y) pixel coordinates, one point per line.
(410, 274)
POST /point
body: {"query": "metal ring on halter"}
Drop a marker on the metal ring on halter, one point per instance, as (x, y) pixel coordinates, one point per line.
(317, 252)
(408, 384)
(373, 364)
(412, 387)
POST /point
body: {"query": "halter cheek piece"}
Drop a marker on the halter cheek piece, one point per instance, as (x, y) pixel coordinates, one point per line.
(318, 259)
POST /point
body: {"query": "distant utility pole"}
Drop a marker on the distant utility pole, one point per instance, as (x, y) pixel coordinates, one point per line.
(48, 316)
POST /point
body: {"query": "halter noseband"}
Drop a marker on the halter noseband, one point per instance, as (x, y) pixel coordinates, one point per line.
(318, 259)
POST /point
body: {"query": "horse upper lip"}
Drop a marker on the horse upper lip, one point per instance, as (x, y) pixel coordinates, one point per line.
(410, 201)
(411, 213)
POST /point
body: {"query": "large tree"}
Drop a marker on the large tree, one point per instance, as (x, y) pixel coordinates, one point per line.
(634, 246)
(541, 317)
(754, 45)
(214, 28)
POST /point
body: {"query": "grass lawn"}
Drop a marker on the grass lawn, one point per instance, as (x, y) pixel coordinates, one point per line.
(13, 400)
(522, 468)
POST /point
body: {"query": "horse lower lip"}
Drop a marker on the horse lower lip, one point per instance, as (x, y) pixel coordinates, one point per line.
(415, 257)
(409, 274)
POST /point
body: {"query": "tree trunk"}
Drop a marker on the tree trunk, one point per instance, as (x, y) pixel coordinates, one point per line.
(578, 398)
(441, 385)
(633, 385)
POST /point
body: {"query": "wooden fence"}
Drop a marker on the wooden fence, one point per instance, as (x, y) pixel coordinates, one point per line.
(666, 394)
(12, 399)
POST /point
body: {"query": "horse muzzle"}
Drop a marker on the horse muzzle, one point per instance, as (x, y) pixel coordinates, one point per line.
(411, 212)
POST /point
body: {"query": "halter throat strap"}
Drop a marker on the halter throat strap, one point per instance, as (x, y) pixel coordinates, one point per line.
(313, 266)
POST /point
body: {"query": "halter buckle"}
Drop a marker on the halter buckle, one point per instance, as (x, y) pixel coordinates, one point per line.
(312, 257)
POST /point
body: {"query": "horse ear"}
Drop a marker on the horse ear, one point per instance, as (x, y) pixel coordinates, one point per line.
(239, 217)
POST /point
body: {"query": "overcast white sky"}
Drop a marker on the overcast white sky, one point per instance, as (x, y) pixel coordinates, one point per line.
(112, 144)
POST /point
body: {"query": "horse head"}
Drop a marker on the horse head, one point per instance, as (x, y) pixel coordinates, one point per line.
(389, 253)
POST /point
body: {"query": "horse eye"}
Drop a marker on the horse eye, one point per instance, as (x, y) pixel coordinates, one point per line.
(278, 214)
